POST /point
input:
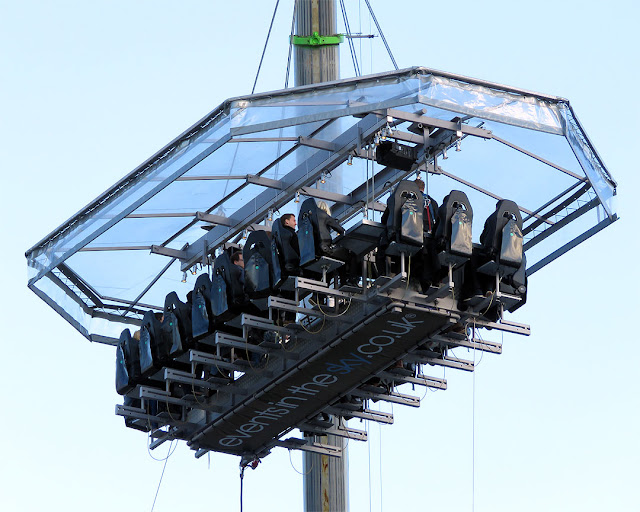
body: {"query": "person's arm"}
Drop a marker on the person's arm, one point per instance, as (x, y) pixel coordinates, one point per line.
(335, 225)
(294, 243)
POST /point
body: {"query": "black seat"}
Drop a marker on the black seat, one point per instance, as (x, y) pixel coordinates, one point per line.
(228, 298)
(405, 219)
(128, 373)
(454, 232)
(154, 349)
(257, 265)
(308, 232)
(202, 316)
(501, 240)
(318, 253)
(499, 264)
(284, 257)
(176, 325)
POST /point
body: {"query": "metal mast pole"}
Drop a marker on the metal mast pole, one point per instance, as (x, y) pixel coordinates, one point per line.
(325, 477)
(315, 63)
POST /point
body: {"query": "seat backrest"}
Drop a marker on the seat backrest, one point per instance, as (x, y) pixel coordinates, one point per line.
(230, 273)
(127, 363)
(406, 210)
(455, 219)
(176, 324)
(277, 260)
(308, 235)
(201, 308)
(152, 348)
(506, 215)
(289, 258)
(257, 264)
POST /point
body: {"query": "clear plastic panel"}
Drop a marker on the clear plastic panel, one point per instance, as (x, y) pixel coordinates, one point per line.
(120, 200)
(545, 128)
(492, 104)
(322, 101)
(590, 162)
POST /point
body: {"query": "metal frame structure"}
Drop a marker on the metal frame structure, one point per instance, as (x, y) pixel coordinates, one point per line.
(312, 132)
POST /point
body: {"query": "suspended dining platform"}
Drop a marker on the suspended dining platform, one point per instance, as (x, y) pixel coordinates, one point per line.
(254, 157)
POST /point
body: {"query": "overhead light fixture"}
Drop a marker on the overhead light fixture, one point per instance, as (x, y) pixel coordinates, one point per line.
(323, 177)
(350, 160)
(244, 234)
(184, 276)
(444, 154)
(270, 214)
(458, 145)
(194, 271)
(297, 199)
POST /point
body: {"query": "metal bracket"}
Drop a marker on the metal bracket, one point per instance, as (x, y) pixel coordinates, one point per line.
(420, 380)
(349, 433)
(317, 40)
(214, 219)
(475, 344)
(367, 414)
(293, 443)
(172, 253)
(372, 393)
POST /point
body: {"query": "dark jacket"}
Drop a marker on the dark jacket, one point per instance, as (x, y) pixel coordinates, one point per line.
(290, 247)
(325, 224)
(237, 273)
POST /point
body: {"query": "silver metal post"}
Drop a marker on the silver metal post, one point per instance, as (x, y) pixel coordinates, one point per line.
(325, 478)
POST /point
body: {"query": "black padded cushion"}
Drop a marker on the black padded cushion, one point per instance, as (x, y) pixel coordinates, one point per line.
(257, 265)
(491, 237)
(201, 312)
(455, 219)
(405, 222)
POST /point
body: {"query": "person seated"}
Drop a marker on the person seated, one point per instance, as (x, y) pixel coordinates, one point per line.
(286, 240)
(348, 273)
(237, 267)
(425, 262)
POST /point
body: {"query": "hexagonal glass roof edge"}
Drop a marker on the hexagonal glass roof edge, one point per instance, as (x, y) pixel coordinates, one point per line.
(80, 300)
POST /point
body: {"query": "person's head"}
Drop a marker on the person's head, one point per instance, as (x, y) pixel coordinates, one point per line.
(289, 220)
(237, 259)
(420, 184)
(324, 207)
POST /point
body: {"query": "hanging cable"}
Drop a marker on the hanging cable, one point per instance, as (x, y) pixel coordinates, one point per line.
(169, 453)
(293, 23)
(368, 429)
(294, 468)
(241, 484)
(384, 40)
(352, 48)
(473, 436)
(251, 464)
(265, 46)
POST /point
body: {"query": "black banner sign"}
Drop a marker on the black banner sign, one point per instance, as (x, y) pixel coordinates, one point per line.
(307, 391)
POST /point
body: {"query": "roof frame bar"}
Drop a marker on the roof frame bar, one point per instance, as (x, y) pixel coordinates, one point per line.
(306, 172)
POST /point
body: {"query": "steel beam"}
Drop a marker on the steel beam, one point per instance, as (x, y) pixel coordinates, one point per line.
(306, 172)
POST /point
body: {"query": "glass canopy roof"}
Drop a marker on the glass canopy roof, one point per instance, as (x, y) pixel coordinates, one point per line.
(254, 157)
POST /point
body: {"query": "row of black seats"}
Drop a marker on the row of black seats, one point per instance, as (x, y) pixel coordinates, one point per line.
(439, 240)
(163, 337)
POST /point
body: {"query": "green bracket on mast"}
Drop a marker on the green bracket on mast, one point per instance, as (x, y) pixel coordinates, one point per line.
(317, 40)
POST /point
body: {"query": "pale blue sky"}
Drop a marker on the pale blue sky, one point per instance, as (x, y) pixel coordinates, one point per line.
(89, 90)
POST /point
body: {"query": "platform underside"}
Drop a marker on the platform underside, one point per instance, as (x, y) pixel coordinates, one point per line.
(354, 348)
